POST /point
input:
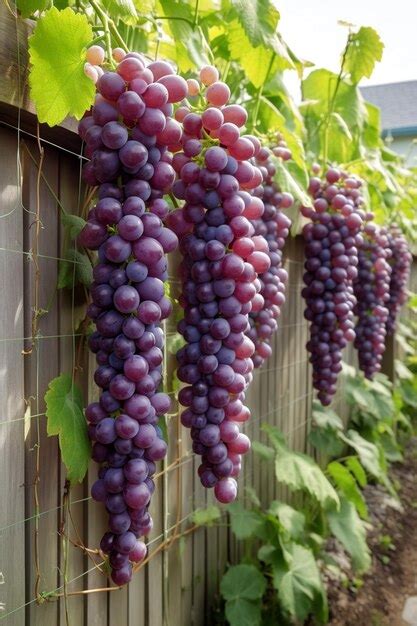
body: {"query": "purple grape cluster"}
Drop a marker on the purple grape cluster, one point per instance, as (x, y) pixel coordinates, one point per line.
(219, 278)
(331, 250)
(271, 229)
(400, 262)
(372, 294)
(126, 136)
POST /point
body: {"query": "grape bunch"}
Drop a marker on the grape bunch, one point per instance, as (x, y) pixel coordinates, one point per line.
(273, 226)
(331, 250)
(127, 134)
(372, 294)
(400, 262)
(219, 271)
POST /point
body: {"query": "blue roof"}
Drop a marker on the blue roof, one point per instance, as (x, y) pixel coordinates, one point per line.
(398, 104)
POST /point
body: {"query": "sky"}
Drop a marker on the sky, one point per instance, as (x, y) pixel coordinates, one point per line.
(310, 28)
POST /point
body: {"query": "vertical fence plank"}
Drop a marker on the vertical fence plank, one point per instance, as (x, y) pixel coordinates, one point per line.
(96, 526)
(12, 392)
(41, 366)
(198, 551)
(68, 313)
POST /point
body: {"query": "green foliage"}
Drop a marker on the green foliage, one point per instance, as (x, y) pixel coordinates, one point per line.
(189, 43)
(57, 49)
(368, 453)
(287, 182)
(122, 9)
(243, 587)
(346, 483)
(64, 411)
(324, 435)
(207, 516)
(292, 521)
(245, 523)
(73, 224)
(364, 50)
(299, 585)
(27, 8)
(73, 269)
(347, 526)
(299, 471)
(259, 19)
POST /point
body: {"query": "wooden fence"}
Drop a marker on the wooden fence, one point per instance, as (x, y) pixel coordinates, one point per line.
(178, 586)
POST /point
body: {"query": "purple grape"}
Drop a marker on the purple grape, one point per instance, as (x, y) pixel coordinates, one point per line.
(126, 299)
(400, 262)
(330, 265)
(372, 292)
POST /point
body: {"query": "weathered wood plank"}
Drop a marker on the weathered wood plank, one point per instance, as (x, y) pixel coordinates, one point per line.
(67, 345)
(12, 391)
(96, 526)
(41, 366)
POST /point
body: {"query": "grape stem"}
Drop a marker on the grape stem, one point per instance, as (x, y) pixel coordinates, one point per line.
(98, 39)
(196, 13)
(109, 28)
(332, 101)
(65, 547)
(180, 19)
(260, 92)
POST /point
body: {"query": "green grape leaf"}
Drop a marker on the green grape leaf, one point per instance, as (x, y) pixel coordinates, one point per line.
(242, 581)
(372, 126)
(242, 612)
(64, 410)
(368, 453)
(340, 141)
(264, 59)
(123, 9)
(73, 224)
(300, 472)
(324, 435)
(365, 49)
(326, 440)
(75, 268)
(291, 520)
(299, 585)
(252, 495)
(57, 50)
(27, 8)
(409, 393)
(191, 49)
(347, 484)
(402, 370)
(63, 4)
(145, 7)
(355, 466)
(265, 452)
(244, 522)
(348, 528)
(324, 417)
(206, 517)
(288, 183)
(318, 89)
(259, 19)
